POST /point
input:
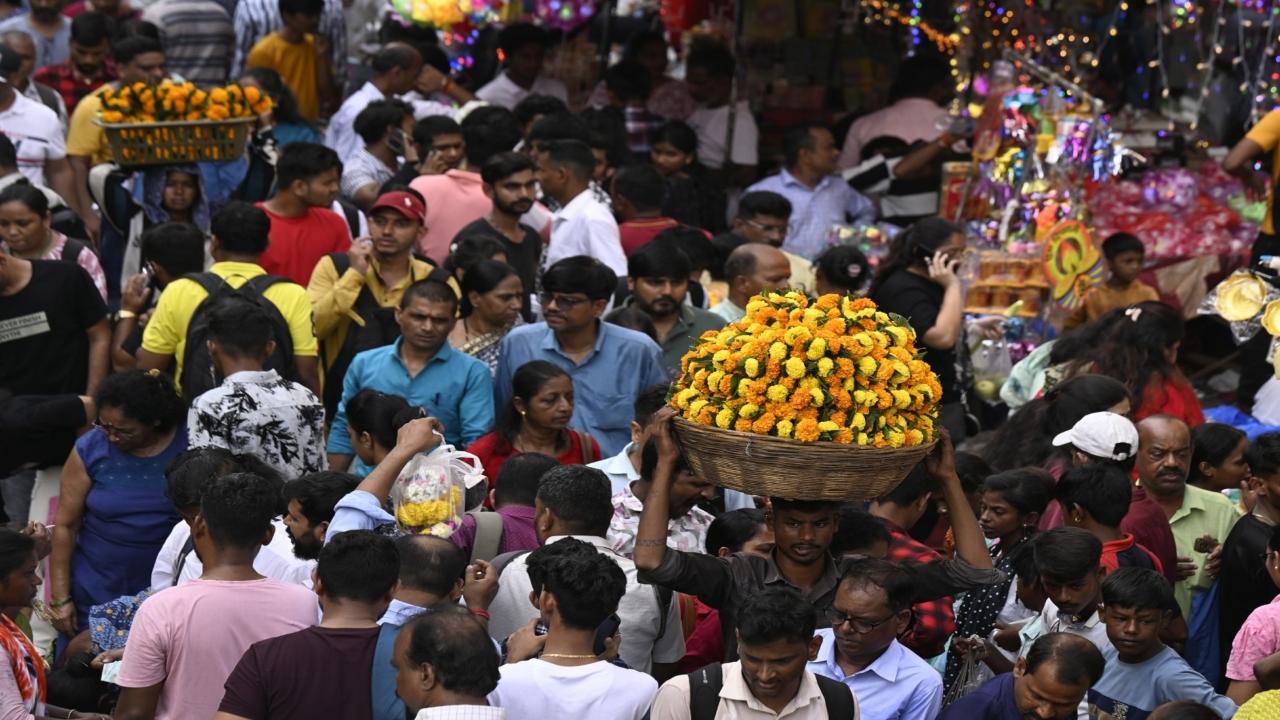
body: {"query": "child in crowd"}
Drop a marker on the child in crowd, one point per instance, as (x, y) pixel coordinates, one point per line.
(1142, 672)
(1071, 577)
(1095, 497)
(1124, 254)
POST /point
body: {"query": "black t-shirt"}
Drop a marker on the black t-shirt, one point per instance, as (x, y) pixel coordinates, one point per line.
(1245, 583)
(525, 256)
(313, 673)
(919, 299)
(44, 349)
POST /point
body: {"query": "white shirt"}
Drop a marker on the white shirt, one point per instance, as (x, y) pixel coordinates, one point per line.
(622, 472)
(341, 136)
(427, 107)
(274, 560)
(504, 92)
(599, 691)
(910, 119)
(462, 712)
(585, 226)
(361, 168)
(712, 125)
(1091, 629)
(639, 611)
(737, 702)
(36, 135)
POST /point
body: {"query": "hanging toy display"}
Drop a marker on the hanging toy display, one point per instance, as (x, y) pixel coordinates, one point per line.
(448, 14)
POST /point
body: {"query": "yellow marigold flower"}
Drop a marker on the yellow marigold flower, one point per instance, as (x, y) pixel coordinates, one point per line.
(806, 431)
(901, 399)
(797, 335)
(867, 366)
(755, 305)
(859, 421)
(713, 380)
(720, 357)
(752, 366)
(744, 387)
(724, 418)
(827, 426)
(813, 317)
(777, 393)
(817, 349)
(862, 438)
(696, 406)
(825, 365)
(795, 368)
(749, 411)
(684, 396)
(784, 428)
(778, 351)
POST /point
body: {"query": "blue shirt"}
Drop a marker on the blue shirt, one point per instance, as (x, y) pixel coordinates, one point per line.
(454, 387)
(622, 364)
(897, 686)
(814, 210)
(993, 701)
(1134, 690)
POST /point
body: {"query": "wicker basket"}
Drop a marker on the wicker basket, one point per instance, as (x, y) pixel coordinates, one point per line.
(170, 143)
(778, 467)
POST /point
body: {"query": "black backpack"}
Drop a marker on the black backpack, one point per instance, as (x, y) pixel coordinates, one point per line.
(705, 684)
(198, 372)
(379, 329)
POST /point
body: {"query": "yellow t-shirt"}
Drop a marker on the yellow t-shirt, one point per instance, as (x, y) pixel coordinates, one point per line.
(1267, 135)
(296, 63)
(166, 334)
(84, 137)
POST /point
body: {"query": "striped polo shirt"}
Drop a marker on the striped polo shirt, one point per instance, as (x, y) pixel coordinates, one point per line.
(198, 38)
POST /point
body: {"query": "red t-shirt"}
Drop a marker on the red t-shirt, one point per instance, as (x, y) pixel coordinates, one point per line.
(494, 450)
(297, 244)
(635, 234)
(1172, 397)
(705, 645)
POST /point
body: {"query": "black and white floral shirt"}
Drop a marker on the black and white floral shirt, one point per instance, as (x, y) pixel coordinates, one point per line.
(264, 415)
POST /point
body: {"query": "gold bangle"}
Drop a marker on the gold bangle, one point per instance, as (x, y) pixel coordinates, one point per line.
(126, 314)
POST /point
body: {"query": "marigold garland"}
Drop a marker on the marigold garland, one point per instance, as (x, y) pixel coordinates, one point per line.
(835, 369)
(168, 101)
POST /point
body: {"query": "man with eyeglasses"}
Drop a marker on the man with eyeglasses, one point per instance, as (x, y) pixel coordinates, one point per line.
(609, 365)
(872, 608)
(763, 217)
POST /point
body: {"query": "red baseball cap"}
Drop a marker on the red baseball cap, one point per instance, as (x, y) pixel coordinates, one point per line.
(409, 205)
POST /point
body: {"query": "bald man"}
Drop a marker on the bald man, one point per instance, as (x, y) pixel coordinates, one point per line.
(751, 269)
(25, 48)
(1200, 519)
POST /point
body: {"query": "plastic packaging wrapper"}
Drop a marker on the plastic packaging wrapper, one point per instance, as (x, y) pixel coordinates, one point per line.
(1241, 330)
(429, 496)
(991, 366)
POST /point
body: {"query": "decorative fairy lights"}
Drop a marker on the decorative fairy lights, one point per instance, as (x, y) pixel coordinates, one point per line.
(881, 12)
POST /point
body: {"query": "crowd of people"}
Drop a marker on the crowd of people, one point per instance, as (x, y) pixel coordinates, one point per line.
(212, 376)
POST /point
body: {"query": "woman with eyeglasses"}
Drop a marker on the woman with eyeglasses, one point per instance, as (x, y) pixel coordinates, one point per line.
(918, 280)
(113, 514)
(492, 295)
(536, 420)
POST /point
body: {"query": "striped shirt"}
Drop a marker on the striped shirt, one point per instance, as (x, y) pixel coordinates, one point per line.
(198, 38)
(902, 202)
(255, 19)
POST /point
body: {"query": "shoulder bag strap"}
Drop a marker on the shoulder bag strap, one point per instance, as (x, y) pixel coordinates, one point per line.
(837, 696)
(488, 536)
(704, 692)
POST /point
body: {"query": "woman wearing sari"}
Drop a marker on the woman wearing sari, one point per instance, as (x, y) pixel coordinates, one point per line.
(492, 294)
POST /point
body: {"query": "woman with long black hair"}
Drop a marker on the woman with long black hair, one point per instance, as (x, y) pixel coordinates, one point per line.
(917, 280)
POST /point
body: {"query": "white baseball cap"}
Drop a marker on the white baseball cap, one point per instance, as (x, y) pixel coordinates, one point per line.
(1103, 435)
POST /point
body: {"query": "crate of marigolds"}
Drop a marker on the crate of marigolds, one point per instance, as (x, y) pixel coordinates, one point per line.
(812, 400)
(168, 122)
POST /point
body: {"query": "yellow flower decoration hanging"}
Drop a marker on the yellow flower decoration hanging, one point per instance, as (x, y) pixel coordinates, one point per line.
(835, 369)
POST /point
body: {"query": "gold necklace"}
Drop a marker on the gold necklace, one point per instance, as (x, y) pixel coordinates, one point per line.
(566, 656)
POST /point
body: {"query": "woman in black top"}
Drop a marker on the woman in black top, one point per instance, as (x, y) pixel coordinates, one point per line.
(918, 281)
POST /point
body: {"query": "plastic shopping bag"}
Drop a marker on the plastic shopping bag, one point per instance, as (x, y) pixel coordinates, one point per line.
(429, 495)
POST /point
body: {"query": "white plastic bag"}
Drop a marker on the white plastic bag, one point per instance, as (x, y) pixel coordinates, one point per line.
(429, 496)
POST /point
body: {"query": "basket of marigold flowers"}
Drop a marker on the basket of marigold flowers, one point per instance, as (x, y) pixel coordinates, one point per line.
(170, 122)
(811, 400)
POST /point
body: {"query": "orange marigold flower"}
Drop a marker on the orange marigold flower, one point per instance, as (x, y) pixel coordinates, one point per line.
(806, 430)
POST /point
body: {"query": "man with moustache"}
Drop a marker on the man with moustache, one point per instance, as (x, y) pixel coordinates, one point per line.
(89, 66)
(45, 24)
(1200, 519)
(658, 278)
(872, 608)
(354, 294)
(422, 368)
(511, 183)
(609, 365)
(1047, 684)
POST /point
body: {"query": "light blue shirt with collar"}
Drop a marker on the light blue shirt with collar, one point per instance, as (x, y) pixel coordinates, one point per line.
(453, 387)
(815, 209)
(622, 472)
(622, 364)
(897, 686)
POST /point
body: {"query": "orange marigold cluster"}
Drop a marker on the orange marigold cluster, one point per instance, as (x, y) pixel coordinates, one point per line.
(835, 369)
(168, 101)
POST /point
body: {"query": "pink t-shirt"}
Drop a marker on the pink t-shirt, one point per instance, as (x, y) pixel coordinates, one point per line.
(454, 200)
(1258, 638)
(190, 638)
